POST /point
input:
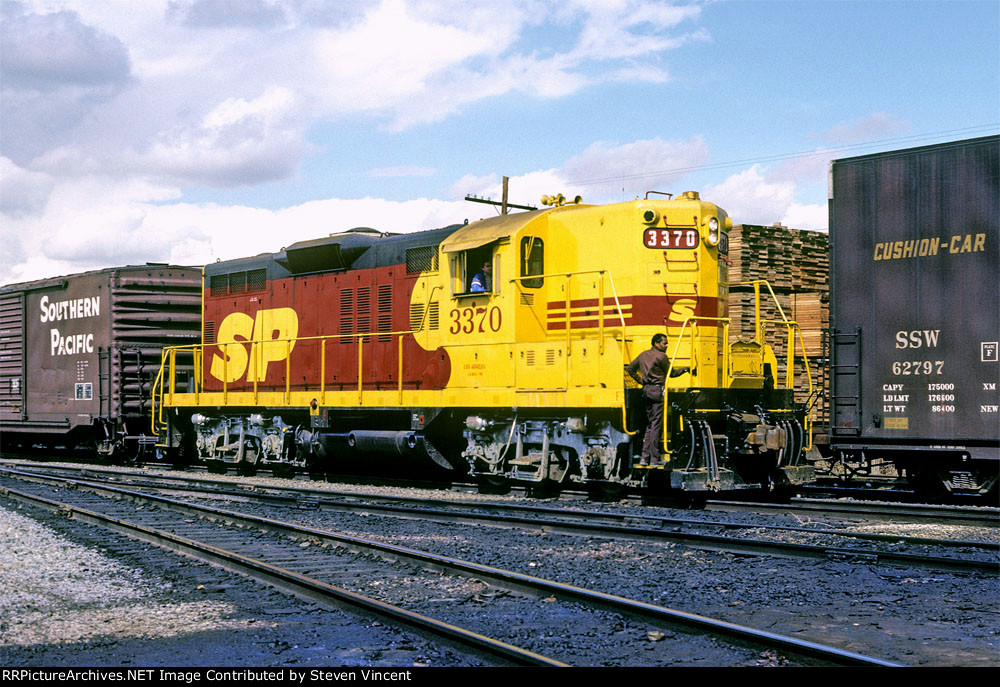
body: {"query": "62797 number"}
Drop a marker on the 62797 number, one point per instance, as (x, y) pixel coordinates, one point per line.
(481, 320)
(918, 367)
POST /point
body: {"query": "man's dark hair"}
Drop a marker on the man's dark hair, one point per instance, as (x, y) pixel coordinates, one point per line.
(656, 338)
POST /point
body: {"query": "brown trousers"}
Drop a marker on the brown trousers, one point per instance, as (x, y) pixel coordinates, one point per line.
(652, 397)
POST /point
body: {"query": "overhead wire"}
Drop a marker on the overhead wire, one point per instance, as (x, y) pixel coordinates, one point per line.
(982, 128)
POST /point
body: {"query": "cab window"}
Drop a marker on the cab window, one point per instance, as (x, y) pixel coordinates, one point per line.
(532, 261)
(474, 272)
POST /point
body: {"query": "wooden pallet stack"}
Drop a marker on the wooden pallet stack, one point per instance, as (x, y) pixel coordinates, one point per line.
(796, 264)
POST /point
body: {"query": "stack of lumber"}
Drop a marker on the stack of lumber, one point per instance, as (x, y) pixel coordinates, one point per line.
(795, 262)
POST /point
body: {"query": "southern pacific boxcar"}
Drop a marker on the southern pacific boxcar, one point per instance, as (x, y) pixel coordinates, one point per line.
(915, 247)
(78, 354)
(363, 342)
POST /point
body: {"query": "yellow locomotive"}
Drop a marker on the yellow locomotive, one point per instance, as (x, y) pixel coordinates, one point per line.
(496, 348)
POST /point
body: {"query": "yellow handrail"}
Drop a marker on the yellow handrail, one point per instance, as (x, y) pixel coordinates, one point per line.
(156, 391)
(600, 317)
(760, 323)
(166, 373)
(673, 357)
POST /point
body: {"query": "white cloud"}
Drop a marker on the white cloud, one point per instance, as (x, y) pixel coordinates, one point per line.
(238, 142)
(111, 108)
(390, 56)
(402, 171)
(97, 222)
(226, 13)
(139, 90)
(56, 70)
(602, 173)
(812, 217)
(753, 196)
(750, 198)
(44, 52)
(622, 29)
(606, 171)
(22, 192)
(875, 126)
(524, 189)
(471, 184)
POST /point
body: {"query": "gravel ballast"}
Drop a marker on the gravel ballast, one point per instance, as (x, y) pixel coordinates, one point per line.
(914, 617)
(75, 596)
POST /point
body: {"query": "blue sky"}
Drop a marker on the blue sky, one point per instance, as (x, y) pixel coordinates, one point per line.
(194, 130)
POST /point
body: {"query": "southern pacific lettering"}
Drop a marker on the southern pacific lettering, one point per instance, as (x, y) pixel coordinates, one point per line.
(919, 248)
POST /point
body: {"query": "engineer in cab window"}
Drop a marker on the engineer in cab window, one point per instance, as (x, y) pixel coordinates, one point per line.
(483, 280)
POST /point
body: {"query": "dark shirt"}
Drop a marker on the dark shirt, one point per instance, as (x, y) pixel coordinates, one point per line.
(651, 365)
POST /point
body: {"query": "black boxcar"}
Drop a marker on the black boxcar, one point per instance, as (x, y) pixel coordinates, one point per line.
(78, 354)
(914, 311)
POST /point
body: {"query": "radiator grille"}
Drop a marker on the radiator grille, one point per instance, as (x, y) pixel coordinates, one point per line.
(423, 259)
(385, 311)
(346, 315)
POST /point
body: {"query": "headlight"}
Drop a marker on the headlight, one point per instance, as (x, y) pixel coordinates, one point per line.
(712, 238)
(650, 215)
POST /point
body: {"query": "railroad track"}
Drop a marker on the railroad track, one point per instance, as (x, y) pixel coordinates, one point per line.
(975, 516)
(717, 535)
(315, 558)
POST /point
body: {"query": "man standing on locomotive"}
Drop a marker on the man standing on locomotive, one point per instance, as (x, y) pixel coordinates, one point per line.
(649, 369)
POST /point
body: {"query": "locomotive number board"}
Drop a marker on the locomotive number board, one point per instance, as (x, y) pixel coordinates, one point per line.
(670, 238)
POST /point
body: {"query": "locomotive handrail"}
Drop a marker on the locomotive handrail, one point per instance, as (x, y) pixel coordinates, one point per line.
(600, 318)
(790, 352)
(157, 390)
(169, 354)
(759, 330)
(163, 388)
(725, 321)
(790, 367)
(793, 327)
(790, 325)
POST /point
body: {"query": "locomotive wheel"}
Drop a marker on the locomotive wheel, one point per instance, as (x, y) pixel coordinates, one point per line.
(778, 493)
(607, 491)
(283, 470)
(693, 500)
(927, 483)
(251, 456)
(493, 484)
